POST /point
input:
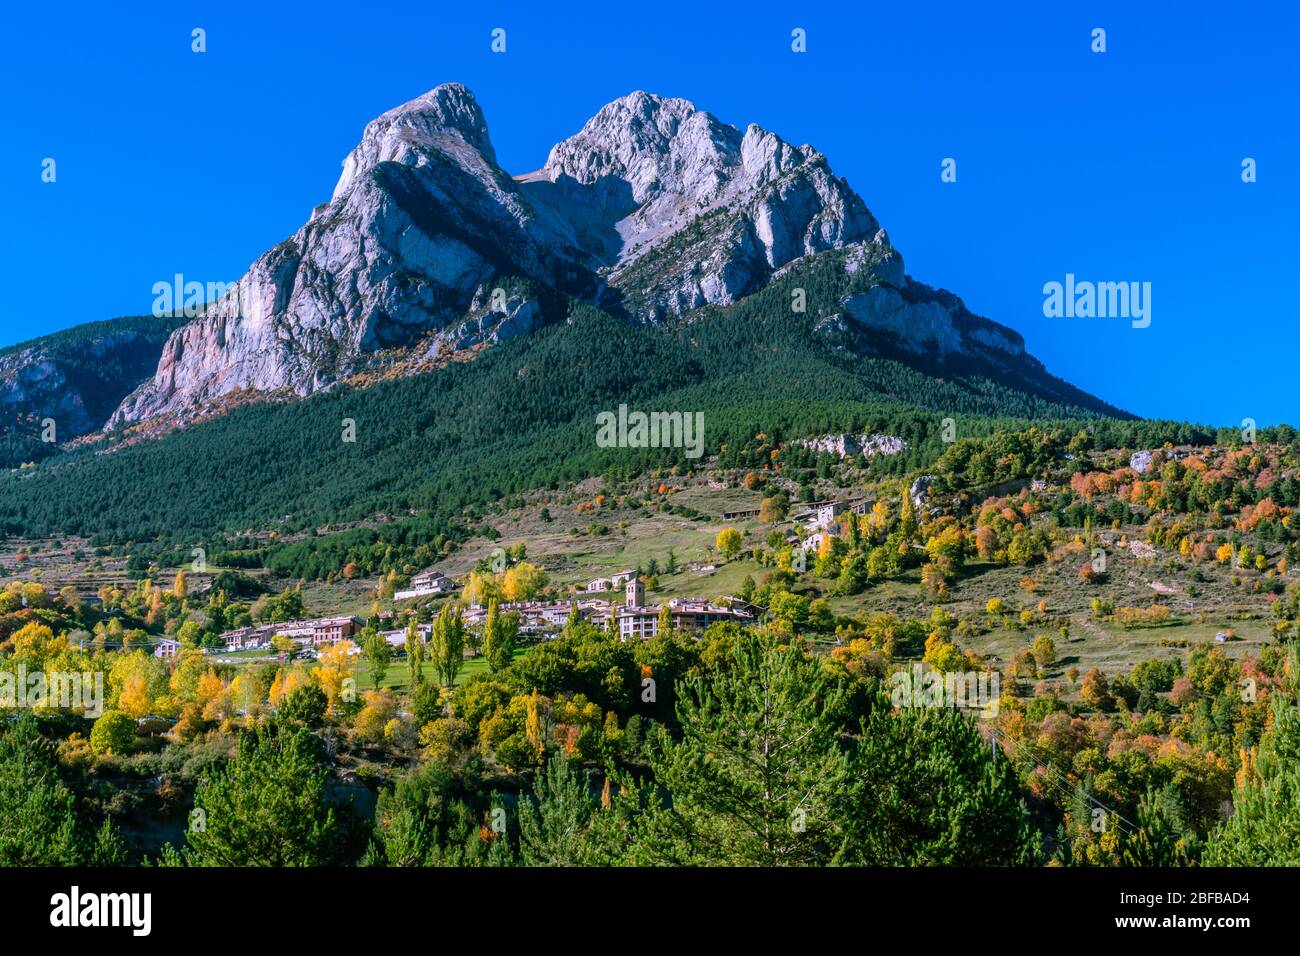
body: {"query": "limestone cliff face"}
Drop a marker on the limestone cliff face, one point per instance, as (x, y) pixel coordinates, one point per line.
(421, 218)
(653, 209)
(687, 211)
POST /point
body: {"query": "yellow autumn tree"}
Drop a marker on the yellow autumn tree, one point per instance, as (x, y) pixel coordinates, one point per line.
(522, 582)
(285, 683)
(246, 692)
(335, 673)
(480, 588)
(134, 698)
(533, 727)
(34, 641)
(876, 523)
(907, 517)
(208, 688)
(728, 542)
(186, 672)
(379, 709)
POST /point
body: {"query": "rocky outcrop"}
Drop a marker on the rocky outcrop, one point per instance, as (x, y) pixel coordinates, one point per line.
(422, 216)
(850, 446)
(688, 211)
(77, 377)
(33, 383)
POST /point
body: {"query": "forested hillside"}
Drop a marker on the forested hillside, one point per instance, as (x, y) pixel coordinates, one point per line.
(520, 416)
(76, 377)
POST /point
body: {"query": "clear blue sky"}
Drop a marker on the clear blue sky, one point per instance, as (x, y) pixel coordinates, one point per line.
(1119, 166)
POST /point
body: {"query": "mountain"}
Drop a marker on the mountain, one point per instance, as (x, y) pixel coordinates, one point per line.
(442, 451)
(77, 377)
(652, 211)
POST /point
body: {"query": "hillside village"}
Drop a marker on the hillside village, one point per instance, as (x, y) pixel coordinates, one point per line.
(1119, 619)
(631, 619)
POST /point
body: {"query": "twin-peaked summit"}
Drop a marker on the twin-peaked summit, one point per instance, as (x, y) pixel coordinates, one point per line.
(652, 209)
(645, 167)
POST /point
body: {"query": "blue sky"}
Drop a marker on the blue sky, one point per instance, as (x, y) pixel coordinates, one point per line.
(1122, 166)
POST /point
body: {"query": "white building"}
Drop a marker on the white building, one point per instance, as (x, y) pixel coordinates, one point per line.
(643, 622)
(397, 638)
(425, 584)
(542, 616)
(328, 630)
(616, 580)
(812, 544)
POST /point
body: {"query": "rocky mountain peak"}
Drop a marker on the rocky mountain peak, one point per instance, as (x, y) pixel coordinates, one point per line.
(652, 209)
(446, 120)
(651, 143)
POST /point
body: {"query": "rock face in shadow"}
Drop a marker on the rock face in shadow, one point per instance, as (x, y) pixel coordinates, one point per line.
(76, 377)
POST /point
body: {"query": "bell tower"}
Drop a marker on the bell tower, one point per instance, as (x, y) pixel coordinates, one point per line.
(635, 593)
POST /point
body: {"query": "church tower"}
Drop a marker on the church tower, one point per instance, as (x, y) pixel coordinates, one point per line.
(635, 593)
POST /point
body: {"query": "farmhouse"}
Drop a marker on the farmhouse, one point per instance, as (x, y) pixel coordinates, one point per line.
(822, 515)
(426, 583)
(610, 583)
(813, 542)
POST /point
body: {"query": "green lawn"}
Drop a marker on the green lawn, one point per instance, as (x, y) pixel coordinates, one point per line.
(398, 676)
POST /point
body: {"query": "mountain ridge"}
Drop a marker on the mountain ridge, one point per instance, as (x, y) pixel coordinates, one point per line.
(429, 251)
(652, 210)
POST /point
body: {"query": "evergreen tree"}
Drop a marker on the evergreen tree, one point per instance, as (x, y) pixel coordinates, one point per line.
(924, 790)
(40, 822)
(755, 777)
(553, 824)
(1264, 829)
(269, 807)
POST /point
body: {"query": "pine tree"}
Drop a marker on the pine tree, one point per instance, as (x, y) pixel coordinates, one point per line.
(553, 824)
(1264, 829)
(755, 777)
(269, 807)
(925, 790)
